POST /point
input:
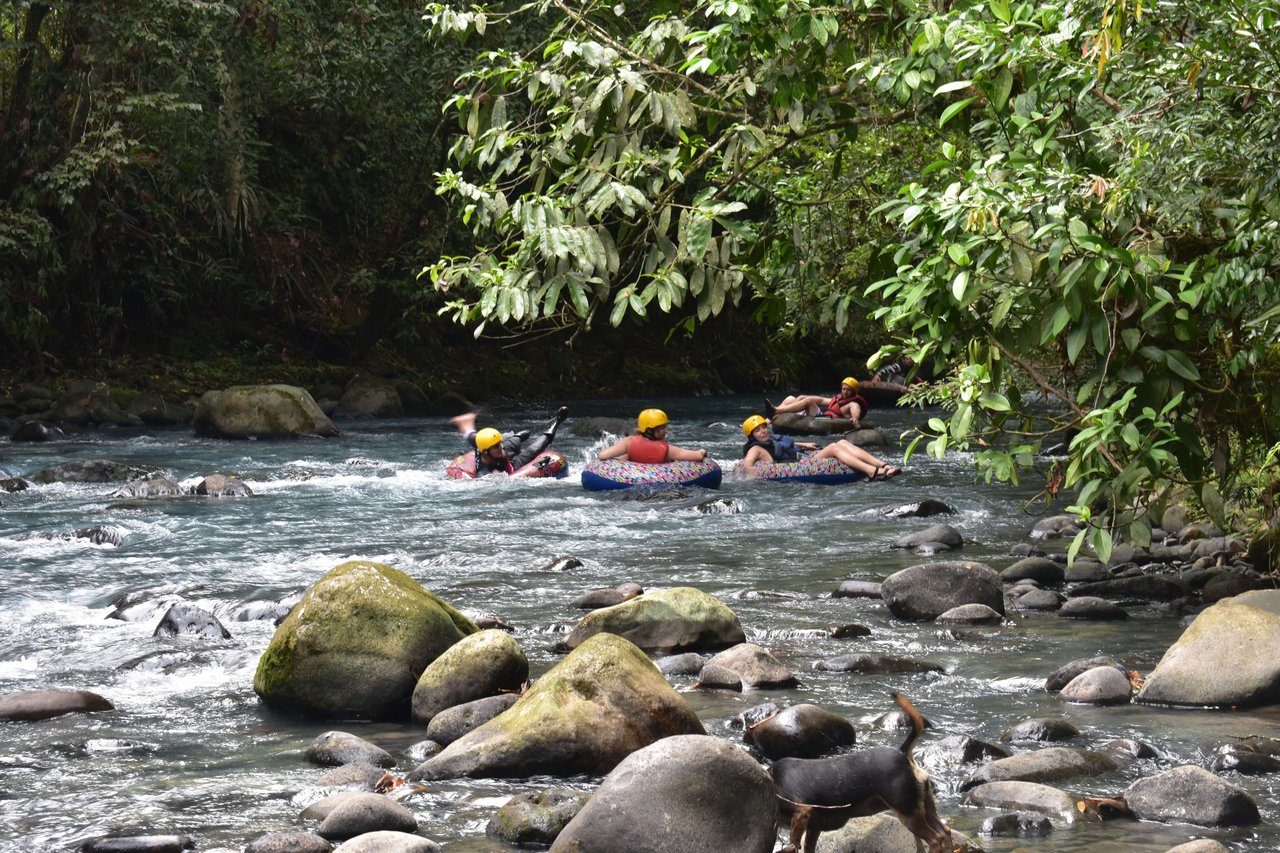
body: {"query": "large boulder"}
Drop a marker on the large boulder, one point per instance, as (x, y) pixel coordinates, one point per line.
(680, 794)
(1230, 655)
(94, 471)
(89, 402)
(481, 665)
(926, 591)
(1190, 794)
(261, 411)
(355, 645)
(370, 397)
(604, 701)
(665, 620)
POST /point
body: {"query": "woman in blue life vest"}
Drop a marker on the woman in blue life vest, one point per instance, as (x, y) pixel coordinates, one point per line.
(648, 444)
(846, 404)
(763, 446)
(498, 455)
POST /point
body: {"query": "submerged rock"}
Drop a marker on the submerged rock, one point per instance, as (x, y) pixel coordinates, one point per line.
(30, 705)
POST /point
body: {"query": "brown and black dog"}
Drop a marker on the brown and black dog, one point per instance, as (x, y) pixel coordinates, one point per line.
(816, 795)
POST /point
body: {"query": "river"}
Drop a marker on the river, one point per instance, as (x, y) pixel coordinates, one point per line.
(190, 749)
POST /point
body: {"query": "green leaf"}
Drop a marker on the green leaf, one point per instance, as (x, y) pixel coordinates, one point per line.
(953, 86)
(952, 111)
(1001, 89)
(1102, 544)
(995, 402)
(1182, 365)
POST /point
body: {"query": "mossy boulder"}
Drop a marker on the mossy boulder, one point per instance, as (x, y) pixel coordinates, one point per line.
(666, 620)
(604, 701)
(355, 645)
(1230, 655)
(481, 665)
(261, 411)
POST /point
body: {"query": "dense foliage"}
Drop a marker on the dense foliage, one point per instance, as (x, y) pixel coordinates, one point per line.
(1092, 251)
(214, 171)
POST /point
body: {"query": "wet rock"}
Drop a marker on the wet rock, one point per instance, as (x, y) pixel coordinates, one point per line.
(755, 714)
(797, 424)
(94, 471)
(602, 702)
(879, 833)
(596, 427)
(139, 844)
(536, 818)
(1017, 825)
(1044, 600)
(356, 644)
(1023, 796)
(1062, 676)
(37, 431)
(187, 619)
(858, 589)
(13, 484)
(484, 664)
(929, 549)
(1025, 549)
(370, 397)
(222, 486)
(1229, 584)
(720, 506)
(924, 509)
(850, 631)
(322, 808)
(1040, 729)
(1051, 764)
(452, 723)
(926, 591)
(682, 793)
(1130, 748)
(954, 750)
(970, 614)
(421, 751)
(689, 663)
(360, 812)
(255, 611)
(607, 597)
(1102, 685)
(389, 841)
(941, 533)
(1245, 763)
(1039, 569)
(1084, 571)
(357, 776)
(800, 731)
(31, 705)
(668, 620)
(875, 664)
(336, 748)
(100, 535)
(1191, 795)
(1145, 587)
(1092, 608)
(155, 410)
(1230, 655)
(488, 621)
(562, 564)
(89, 402)
(156, 487)
(295, 841)
(1056, 527)
(746, 666)
(1200, 845)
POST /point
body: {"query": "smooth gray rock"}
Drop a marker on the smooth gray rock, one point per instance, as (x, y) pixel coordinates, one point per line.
(1102, 685)
(1024, 796)
(1035, 568)
(970, 614)
(1040, 729)
(361, 812)
(536, 818)
(926, 591)
(335, 748)
(294, 841)
(1092, 608)
(390, 841)
(1190, 794)
(868, 663)
(452, 723)
(800, 731)
(942, 533)
(746, 666)
(139, 844)
(31, 705)
(1063, 675)
(188, 620)
(1052, 764)
(478, 666)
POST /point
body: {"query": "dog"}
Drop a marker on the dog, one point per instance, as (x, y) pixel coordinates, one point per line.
(817, 795)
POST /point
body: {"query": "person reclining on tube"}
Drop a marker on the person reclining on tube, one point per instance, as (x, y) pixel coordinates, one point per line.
(763, 446)
(846, 404)
(495, 454)
(649, 443)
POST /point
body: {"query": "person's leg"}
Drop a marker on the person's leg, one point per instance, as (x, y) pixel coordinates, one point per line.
(531, 450)
(883, 469)
(842, 451)
(809, 404)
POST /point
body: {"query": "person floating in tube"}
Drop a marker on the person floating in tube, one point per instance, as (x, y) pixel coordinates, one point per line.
(649, 443)
(498, 455)
(763, 446)
(846, 404)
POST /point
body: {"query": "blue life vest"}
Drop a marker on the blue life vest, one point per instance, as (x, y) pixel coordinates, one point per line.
(779, 447)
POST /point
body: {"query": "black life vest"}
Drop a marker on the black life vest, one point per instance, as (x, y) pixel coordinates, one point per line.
(780, 448)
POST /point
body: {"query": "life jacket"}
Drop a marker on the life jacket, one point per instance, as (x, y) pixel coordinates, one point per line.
(837, 402)
(642, 449)
(780, 448)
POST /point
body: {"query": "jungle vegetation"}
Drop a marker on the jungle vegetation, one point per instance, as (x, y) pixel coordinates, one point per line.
(1066, 209)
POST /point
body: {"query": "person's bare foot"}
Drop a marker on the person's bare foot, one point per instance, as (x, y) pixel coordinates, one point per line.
(465, 422)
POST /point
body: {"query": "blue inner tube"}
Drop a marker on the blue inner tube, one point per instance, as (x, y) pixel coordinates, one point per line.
(823, 472)
(613, 474)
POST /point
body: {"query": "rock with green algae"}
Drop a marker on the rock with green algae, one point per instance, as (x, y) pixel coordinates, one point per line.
(666, 620)
(261, 411)
(355, 645)
(604, 701)
(479, 666)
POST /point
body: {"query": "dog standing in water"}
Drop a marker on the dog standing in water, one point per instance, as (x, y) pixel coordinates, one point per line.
(816, 795)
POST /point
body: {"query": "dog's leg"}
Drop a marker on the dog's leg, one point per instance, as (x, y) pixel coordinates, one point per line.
(799, 827)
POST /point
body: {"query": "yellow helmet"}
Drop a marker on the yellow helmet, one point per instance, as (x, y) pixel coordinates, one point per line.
(850, 381)
(487, 438)
(651, 419)
(750, 424)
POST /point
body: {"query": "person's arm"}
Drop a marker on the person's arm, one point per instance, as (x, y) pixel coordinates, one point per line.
(807, 446)
(679, 454)
(754, 456)
(618, 448)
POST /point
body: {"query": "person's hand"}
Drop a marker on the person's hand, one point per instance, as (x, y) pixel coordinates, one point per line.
(704, 455)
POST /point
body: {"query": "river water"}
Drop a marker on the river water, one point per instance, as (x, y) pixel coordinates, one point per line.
(190, 749)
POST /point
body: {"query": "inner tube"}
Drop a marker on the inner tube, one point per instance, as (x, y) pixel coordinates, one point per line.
(613, 474)
(823, 472)
(797, 424)
(548, 463)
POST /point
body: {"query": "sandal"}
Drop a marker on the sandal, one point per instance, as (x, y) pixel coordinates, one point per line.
(877, 474)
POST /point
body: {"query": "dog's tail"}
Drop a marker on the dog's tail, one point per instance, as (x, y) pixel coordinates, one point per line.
(917, 722)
